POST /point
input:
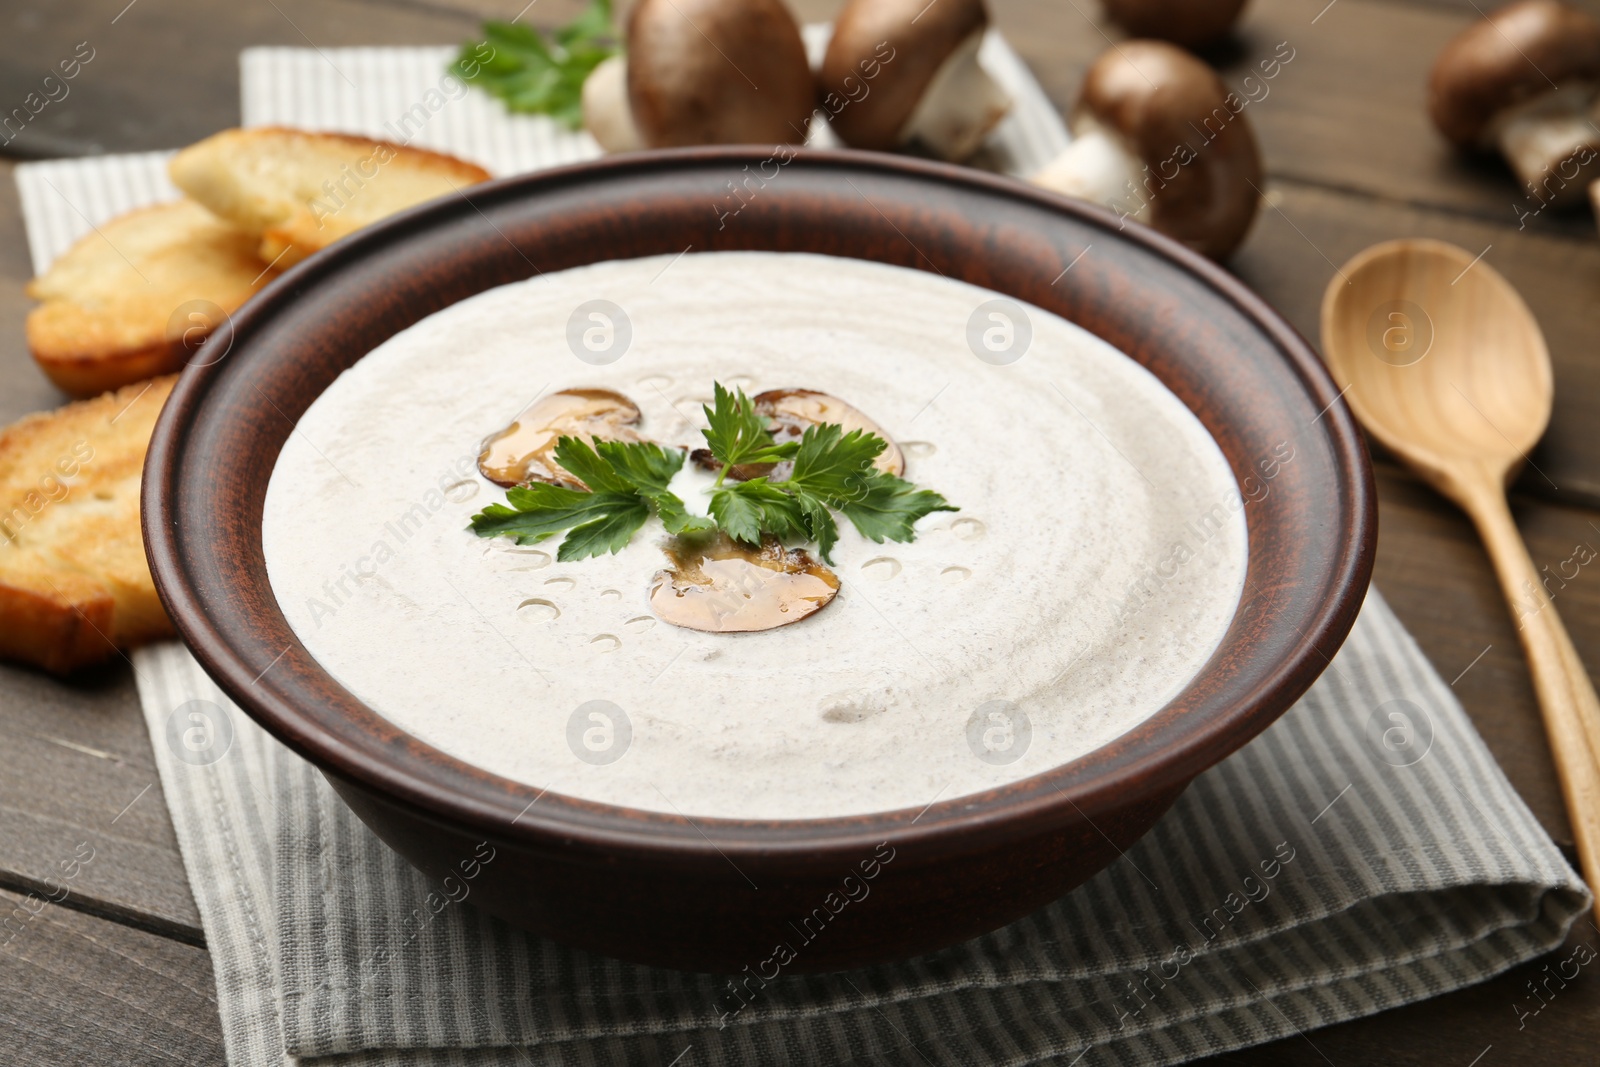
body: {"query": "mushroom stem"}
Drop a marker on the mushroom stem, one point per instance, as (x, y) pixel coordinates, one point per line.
(1099, 167)
(606, 114)
(961, 105)
(1552, 145)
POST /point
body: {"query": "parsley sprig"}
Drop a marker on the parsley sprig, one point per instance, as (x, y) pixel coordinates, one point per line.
(627, 483)
(538, 74)
(737, 434)
(832, 471)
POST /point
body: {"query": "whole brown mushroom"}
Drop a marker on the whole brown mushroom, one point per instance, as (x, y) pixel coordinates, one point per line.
(1523, 81)
(1190, 23)
(703, 72)
(1157, 138)
(902, 73)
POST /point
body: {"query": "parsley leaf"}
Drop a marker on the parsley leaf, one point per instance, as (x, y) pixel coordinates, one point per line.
(646, 466)
(887, 507)
(626, 480)
(738, 434)
(833, 471)
(830, 463)
(578, 457)
(819, 520)
(609, 533)
(677, 518)
(540, 75)
(599, 522)
(649, 468)
(746, 510)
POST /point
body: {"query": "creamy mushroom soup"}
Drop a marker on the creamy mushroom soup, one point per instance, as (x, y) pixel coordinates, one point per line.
(1094, 565)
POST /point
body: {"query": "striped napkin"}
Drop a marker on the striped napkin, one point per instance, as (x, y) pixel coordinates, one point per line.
(1362, 853)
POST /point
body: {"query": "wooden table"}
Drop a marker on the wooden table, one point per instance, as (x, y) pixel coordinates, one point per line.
(118, 973)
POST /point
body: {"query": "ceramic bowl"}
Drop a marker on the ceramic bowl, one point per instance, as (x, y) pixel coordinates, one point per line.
(720, 894)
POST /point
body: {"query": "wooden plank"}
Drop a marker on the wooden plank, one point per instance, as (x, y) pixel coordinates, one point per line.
(1348, 111)
(79, 990)
(1304, 233)
(1430, 564)
(78, 769)
(165, 73)
(75, 989)
(1436, 576)
(25, 388)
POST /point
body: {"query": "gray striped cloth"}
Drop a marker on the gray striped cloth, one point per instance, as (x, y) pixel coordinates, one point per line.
(1362, 853)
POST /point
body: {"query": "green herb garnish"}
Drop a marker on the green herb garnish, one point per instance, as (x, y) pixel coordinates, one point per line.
(832, 471)
(537, 74)
(738, 434)
(626, 480)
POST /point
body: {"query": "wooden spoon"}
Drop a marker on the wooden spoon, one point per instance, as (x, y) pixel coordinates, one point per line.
(1444, 364)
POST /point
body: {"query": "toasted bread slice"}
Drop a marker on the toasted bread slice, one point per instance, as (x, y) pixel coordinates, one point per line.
(74, 584)
(133, 299)
(300, 191)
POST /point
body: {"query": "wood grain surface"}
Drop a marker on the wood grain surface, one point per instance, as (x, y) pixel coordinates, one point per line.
(1350, 160)
(75, 989)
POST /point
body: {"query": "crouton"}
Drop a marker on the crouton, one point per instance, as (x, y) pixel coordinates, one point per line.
(74, 585)
(135, 297)
(299, 191)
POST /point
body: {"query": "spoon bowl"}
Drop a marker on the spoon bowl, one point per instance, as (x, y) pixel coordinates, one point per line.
(1441, 359)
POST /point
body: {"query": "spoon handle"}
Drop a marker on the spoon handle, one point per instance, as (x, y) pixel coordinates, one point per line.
(1566, 696)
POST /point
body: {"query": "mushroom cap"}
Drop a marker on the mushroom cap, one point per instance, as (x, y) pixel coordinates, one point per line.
(525, 450)
(718, 72)
(922, 36)
(1190, 23)
(1520, 52)
(1172, 111)
(720, 585)
(793, 411)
